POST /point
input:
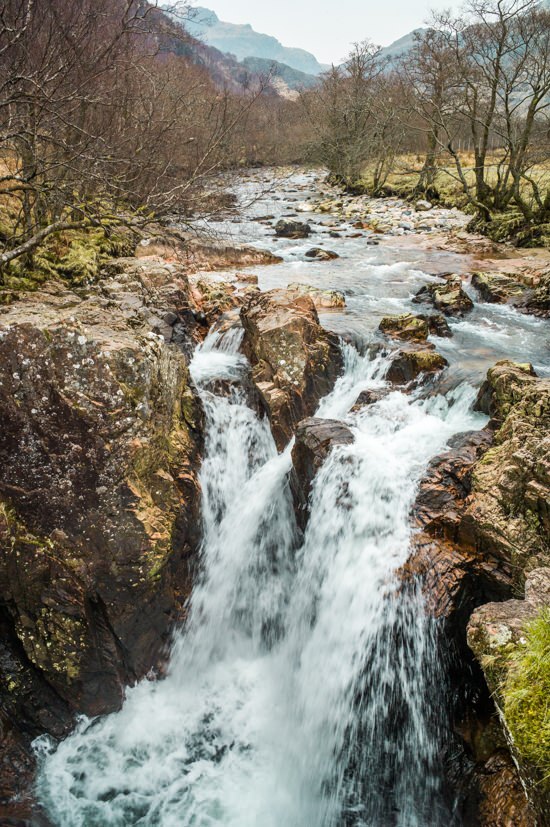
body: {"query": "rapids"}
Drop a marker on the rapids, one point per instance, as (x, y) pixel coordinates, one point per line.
(305, 690)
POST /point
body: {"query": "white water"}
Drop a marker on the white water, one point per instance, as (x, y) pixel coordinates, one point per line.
(304, 690)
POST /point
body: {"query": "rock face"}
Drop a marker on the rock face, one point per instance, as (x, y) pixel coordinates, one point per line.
(530, 294)
(538, 302)
(510, 514)
(517, 669)
(406, 326)
(322, 299)
(482, 517)
(498, 288)
(294, 361)
(99, 499)
(292, 229)
(449, 298)
(410, 362)
(315, 438)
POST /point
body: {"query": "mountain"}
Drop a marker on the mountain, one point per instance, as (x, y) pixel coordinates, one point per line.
(243, 42)
(291, 78)
(400, 47)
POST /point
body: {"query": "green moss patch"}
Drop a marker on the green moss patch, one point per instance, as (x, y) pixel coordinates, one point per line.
(526, 695)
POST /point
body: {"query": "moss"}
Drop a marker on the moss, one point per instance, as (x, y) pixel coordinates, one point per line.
(75, 256)
(526, 695)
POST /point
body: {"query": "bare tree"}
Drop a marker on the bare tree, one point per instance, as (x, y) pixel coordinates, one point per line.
(101, 124)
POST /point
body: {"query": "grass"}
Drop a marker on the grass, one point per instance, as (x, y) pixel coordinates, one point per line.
(526, 694)
(510, 225)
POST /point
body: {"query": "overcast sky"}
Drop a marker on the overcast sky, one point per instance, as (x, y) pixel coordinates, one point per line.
(328, 27)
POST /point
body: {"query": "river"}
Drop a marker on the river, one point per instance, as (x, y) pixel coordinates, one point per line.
(306, 689)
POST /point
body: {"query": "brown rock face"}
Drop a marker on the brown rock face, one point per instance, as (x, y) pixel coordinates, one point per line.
(410, 362)
(294, 361)
(498, 288)
(406, 326)
(315, 438)
(449, 298)
(99, 501)
(482, 517)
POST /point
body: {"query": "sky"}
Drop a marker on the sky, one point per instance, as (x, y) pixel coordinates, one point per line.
(328, 27)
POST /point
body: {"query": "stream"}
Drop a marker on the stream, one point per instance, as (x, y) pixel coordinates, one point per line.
(305, 689)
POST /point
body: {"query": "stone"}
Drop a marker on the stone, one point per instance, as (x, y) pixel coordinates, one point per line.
(437, 324)
(315, 439)
(449, 298)
(100, 525)
(322, 299)
(410, 363)
(295, 362)
(498, 288)
(213, 298)
(422, 206)
(537, 301)
(369, 397)
(405, 326)
(318, 254)
(292, 229)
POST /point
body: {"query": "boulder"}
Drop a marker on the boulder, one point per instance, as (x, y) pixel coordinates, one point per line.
(537, 301)
(369, 397)
(213, 298)
(498, 288)
(410, 363)
(322, 299)
(449, 298)
(405, 326)
(422, 206)
(510, 513)
(318, 254)
(315, 439)
(437, 325)
(295, 361)
(292, 229)
(99, 525)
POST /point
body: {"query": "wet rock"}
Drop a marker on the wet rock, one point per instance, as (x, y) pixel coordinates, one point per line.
(369, 397)
(506, 384)
(213, 298)
(295, 362)
(315, 439)
(292, 229)
(498, 288)
(99, 523)
(405, 326)
(318, 254)
(409, 363)
(503, 800)
(322, 299)
(448, 298)
(437, 325)
(537, 301)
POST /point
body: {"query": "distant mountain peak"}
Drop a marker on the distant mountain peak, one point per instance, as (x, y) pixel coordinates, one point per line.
(242, 41)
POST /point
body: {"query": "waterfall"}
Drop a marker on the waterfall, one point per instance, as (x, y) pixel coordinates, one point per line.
(304, 690)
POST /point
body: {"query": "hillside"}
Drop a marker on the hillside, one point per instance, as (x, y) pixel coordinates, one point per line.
(242, 41)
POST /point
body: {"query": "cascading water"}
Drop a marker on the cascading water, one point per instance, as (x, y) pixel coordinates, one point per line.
(303, 690)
